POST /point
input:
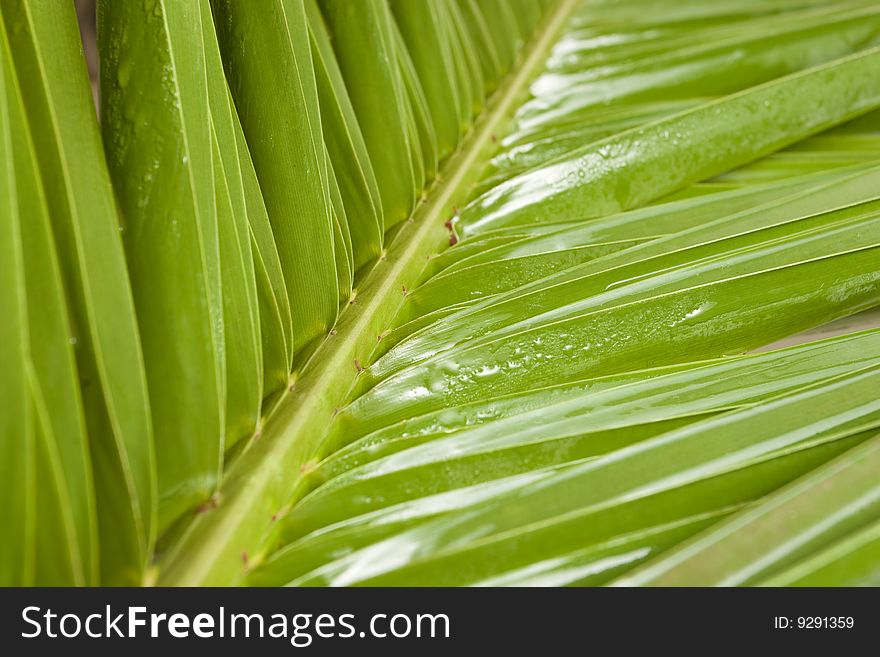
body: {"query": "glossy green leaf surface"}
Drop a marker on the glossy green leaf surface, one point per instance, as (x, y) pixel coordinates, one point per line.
(523, 258)
(595, 500)
(242, 344)
(364, 43)
(346, 147)
(257, 483)
(668, 154)
(16, 423)
(789, 527)
(58, 462)
(852, 561)
(287, 148)
(480, 405)
(441, 292)
(514, 434)
(425, 31)
(158, 132)
(510, 389)
(47, 54)
(276, 326)
(475, 25)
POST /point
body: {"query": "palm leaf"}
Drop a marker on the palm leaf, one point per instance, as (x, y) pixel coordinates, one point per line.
(241, 339)
(14, 389)
(276, 325)
(852, 561)
(287, 150)
(346, 147)
(448, 292)
(411, 490)
(368, 62)
(831, 503)
(167, 153)
(58, 455)
(45, 47)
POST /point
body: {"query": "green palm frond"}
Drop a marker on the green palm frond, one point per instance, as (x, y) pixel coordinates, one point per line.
(440, 292)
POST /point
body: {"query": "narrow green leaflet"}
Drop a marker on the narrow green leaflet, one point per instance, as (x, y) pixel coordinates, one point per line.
(789, 526)
(276, 326)
(510, 435)
(425, 34)
(598, 564)
(66, 534)
(549, 513)
(527, 14)
(517, 262)
(16, 421)
(346, 146)
(422, 125)
(158, 134)
(499, 15)
(46, 49)
(481, 35)
(852, 561)
(667, 155)
(342, 244)
(706, 308)
(716, 64)
(463, 43)
(273, 85)
(242, 342)
(363, 39)
(600, 13)
(711, 231)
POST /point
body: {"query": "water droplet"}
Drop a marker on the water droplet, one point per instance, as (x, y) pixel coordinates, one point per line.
(487, 370)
